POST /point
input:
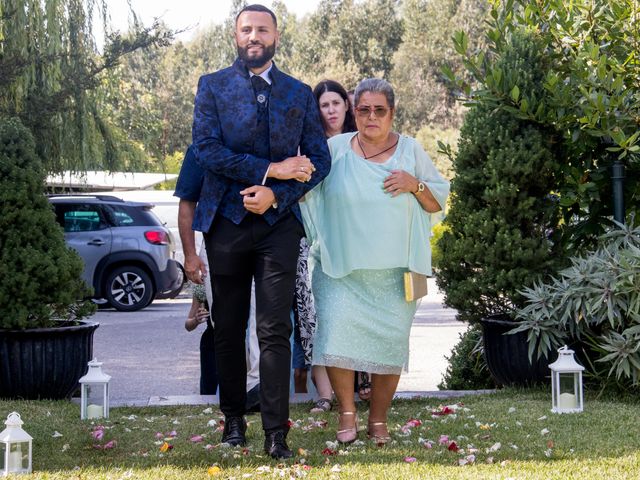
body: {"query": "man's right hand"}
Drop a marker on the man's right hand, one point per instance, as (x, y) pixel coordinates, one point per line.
(297, 168)
(195, 269)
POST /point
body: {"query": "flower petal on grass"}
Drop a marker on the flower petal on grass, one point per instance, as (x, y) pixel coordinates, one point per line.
(214, 470)
(453, 447)
(165, 447)
(544, 431)
(494, 448)
(328, 451)
(443, 440)
(196, 438)
(410, 459)
(56, 434)
(331, 445)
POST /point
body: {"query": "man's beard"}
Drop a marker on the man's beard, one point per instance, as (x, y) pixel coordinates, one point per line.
(257, 61)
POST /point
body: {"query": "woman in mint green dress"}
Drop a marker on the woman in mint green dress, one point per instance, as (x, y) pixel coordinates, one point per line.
(369, 222)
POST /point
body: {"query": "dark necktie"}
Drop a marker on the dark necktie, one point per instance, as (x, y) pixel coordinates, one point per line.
(261, 89)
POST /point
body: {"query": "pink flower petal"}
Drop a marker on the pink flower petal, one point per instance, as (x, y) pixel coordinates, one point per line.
(410, 459)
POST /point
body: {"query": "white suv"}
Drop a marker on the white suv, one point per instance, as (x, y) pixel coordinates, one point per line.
(128, 254)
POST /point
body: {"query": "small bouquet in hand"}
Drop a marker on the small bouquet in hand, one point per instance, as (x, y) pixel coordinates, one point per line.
(200, 294)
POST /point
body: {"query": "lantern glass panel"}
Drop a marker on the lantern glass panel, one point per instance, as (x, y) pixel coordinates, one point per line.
(3, 452)
(567, 398)
(95, 401)
(18, 458)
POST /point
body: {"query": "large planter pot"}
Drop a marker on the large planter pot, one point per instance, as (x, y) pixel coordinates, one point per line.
(507, 355)
(45, 363)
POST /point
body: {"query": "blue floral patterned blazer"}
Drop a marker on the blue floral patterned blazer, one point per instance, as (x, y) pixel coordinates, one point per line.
(224, 121)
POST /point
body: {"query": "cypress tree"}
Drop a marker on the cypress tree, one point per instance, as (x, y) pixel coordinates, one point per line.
(503, 215)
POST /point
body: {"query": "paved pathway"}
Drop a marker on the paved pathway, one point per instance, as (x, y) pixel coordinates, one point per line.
(151, 357)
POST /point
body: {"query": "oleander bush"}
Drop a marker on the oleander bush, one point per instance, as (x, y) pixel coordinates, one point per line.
(594, 303)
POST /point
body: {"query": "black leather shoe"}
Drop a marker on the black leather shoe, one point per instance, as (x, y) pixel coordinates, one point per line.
(276, 445)
(253, 400)
(234, 430)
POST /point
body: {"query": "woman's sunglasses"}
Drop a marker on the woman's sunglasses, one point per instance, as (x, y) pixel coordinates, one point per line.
(364, 112)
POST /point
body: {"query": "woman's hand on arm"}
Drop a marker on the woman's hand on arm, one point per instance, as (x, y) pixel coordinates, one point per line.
(399, 182)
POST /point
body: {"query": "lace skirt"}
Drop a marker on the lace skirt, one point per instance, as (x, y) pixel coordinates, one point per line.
(363, 320)
(303, 304)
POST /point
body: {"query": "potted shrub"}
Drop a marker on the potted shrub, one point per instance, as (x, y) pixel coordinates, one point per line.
(595, 302)
(44, 347)
(502, 217)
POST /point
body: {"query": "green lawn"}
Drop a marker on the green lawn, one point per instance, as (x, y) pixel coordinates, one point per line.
(507, 435)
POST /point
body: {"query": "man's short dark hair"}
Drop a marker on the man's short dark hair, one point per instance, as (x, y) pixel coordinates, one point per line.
(257, 8)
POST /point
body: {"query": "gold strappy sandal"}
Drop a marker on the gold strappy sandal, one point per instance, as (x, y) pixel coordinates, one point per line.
(377, 438)
(348, 435)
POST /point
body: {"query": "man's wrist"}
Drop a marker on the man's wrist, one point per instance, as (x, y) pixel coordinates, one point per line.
(272, 171)
(274, 203)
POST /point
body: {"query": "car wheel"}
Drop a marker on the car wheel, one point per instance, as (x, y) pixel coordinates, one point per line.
(129, 289)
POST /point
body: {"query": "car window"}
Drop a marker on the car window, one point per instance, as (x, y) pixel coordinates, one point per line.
(121, 218)
(131, 216)
(79, 218)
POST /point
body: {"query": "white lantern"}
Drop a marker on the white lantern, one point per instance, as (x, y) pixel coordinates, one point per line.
(94, 392)
(15, 447)
(566, 383)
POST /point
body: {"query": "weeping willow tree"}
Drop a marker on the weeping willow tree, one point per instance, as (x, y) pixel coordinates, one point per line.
(50, 76)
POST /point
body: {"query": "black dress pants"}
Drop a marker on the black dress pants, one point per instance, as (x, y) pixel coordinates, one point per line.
(268, 254)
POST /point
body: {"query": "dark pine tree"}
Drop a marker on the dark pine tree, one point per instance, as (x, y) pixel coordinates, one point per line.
(39, 276)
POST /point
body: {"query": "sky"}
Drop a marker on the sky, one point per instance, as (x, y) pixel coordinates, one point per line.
(182, 14)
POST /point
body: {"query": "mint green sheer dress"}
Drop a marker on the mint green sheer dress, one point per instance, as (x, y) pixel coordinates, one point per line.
(362, 241)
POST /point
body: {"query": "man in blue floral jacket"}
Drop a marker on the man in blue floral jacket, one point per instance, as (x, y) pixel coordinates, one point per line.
(258, 137)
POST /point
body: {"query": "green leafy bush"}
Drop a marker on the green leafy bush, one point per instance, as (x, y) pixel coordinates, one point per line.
(39, 276)
(467, 369)
(436, 233)
(591, 97)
